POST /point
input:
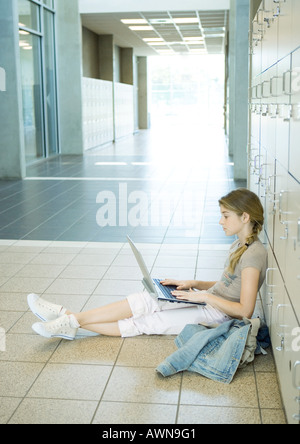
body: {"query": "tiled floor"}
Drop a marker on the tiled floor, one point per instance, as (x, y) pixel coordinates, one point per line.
(110, 380)
(52, 244)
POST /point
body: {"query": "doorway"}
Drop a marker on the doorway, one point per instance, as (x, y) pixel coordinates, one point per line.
(38, 79)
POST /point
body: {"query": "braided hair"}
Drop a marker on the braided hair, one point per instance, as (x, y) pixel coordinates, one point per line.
(242, 201)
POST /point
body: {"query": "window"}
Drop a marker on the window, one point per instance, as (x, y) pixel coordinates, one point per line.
(38, 74)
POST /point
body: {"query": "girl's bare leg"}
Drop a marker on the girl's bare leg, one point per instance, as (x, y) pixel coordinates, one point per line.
(111, 329)
(104, 320)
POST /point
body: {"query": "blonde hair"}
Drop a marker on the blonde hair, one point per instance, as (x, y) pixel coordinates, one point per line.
(242, 201)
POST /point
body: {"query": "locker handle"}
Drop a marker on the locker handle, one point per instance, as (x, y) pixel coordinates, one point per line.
(281, 348)
(281, 212)
(279, 306)
(297, 387)
(278, 11)
(298, 231)
(272, 86)
(267, 277)
(285, 82)
(281, 335)
(256, 160)
(264, 96)
(261, 172)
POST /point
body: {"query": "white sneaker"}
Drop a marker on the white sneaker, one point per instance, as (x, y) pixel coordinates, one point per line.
(59, 328)
(44, 310)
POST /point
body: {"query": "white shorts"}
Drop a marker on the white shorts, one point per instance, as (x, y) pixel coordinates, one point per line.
(151, 317)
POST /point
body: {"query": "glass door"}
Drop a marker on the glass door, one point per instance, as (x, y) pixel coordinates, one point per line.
(38, 78)
(32, 97)
(50, 85)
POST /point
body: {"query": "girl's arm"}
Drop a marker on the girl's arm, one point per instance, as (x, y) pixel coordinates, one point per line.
(237, 310)
(187, 285)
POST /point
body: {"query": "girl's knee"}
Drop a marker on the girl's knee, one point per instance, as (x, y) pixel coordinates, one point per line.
(142, 304)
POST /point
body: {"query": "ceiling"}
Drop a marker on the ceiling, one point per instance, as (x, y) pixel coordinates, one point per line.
(167, 32)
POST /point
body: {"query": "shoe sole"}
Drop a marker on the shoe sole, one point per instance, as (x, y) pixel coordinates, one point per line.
(37, 328)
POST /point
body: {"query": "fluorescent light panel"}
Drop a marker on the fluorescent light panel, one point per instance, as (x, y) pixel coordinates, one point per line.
(134, 22)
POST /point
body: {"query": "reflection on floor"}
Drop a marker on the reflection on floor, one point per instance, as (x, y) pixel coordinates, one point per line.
(156, 186)
(53, 244)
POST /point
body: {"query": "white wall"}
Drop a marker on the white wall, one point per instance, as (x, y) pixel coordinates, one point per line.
(103, 6)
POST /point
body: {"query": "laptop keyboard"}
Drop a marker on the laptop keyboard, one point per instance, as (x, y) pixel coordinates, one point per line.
(166, 290)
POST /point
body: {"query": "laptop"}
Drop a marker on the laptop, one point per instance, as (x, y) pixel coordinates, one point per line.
(153, 286)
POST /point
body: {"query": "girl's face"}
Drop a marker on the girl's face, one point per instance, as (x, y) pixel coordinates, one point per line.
(232, 223)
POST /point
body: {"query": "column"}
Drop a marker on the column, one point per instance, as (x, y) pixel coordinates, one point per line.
(106, 57)
(69, 67)
(12, 153)
(238, 85)
(143, 93)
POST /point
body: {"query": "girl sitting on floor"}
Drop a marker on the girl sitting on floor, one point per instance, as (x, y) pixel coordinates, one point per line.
(233, 297)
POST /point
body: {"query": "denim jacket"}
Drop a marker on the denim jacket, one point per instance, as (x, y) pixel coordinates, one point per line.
(214, 353)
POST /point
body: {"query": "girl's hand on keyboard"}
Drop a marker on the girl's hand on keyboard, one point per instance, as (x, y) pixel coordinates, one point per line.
(191, 296)
(180, 285)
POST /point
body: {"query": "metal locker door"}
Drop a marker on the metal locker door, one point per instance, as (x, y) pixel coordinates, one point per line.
(292, 273)
(281, 227)
(294, 153)
(290, 372)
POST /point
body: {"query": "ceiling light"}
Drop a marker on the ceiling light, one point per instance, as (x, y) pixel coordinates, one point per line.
(186, 20)
(141, 28)
(23, 32)
(160, 21)
(134, 22)
(22, 44)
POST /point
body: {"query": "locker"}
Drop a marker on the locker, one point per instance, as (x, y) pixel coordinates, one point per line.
(282, 84)
(268, 291)
(275, 176)
(292, 274)
(281, 226)
(253, 173)
(290, 376)
(285, 34)
(269, 50)
(295, 24)
(267, 193)
(269, 111)
(256, 48)
(294, 153)
(275, 299)
(284, 329)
